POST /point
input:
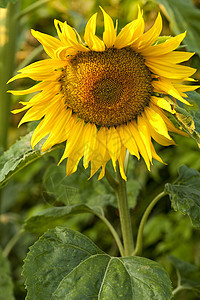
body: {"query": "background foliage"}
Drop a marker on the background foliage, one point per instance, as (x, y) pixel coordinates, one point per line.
(33, 185)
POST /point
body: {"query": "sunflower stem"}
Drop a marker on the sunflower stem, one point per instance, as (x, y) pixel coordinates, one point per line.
(111, 180)
(124, 214)
(138, 248)
(7, 51)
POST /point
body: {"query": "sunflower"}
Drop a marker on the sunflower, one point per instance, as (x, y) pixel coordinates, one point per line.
(104, 97)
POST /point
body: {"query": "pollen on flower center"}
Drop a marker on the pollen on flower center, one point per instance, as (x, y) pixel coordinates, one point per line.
(107, 88)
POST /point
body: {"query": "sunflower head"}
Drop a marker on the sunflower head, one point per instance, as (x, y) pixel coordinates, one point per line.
(106, 96)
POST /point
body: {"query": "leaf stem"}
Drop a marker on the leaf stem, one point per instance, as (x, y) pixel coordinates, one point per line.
(114, 233)
(12, 242)
(124, 213)
(138, 248)
(178, 289)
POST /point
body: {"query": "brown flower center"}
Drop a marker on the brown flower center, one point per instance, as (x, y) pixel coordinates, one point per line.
(107, 88)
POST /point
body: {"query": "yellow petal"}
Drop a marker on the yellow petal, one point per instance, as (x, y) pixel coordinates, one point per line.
(170, 70)
(109, 34)
(149, 37)
(65, 32)
(35, 88)
(59, 28)
(165, 47)
(185, 88)
(165, 86)
(47, 69)
(130, 32)
(93, 42)
(156, 121)
(155, 155)
(128, 140)
(90, 141)
(73, 140)
(32, 114)
(169, 124)
(49, 43)
(142, 149)
(100, 155)
(58, 133)
(69, 37)
(76, 154)
(113, 144)
(160, 139)
(47, 123)
(38, 134)
(145, 134)
(162, 103)
(174, 57)
(121, 160)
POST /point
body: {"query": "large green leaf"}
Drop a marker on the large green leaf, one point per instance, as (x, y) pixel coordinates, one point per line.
(19, 156)
(6, 285)
(65, 264)
(188, 274)
(53, 216)
(185, 194)
(183, 15)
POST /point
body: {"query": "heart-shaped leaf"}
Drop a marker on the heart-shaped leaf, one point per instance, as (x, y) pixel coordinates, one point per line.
(65, 264)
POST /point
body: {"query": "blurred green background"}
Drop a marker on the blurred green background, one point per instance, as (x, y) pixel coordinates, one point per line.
(43, 184)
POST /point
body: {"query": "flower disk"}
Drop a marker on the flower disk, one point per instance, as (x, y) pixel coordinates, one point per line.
(104, 97)
(107, 88)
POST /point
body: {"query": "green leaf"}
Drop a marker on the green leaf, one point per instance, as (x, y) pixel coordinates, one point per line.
(4, 3)
(185, 194)
(65, 264)
(6, 285)
(189, 119)
(53, 216)
(183, 15)
(19, 156)
(76, 188)
(188, 274)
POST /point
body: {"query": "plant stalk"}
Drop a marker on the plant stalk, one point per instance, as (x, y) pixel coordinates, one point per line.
(138, 248)
(7, 52)
(114, 233)
(124, 214)
(12, 242)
